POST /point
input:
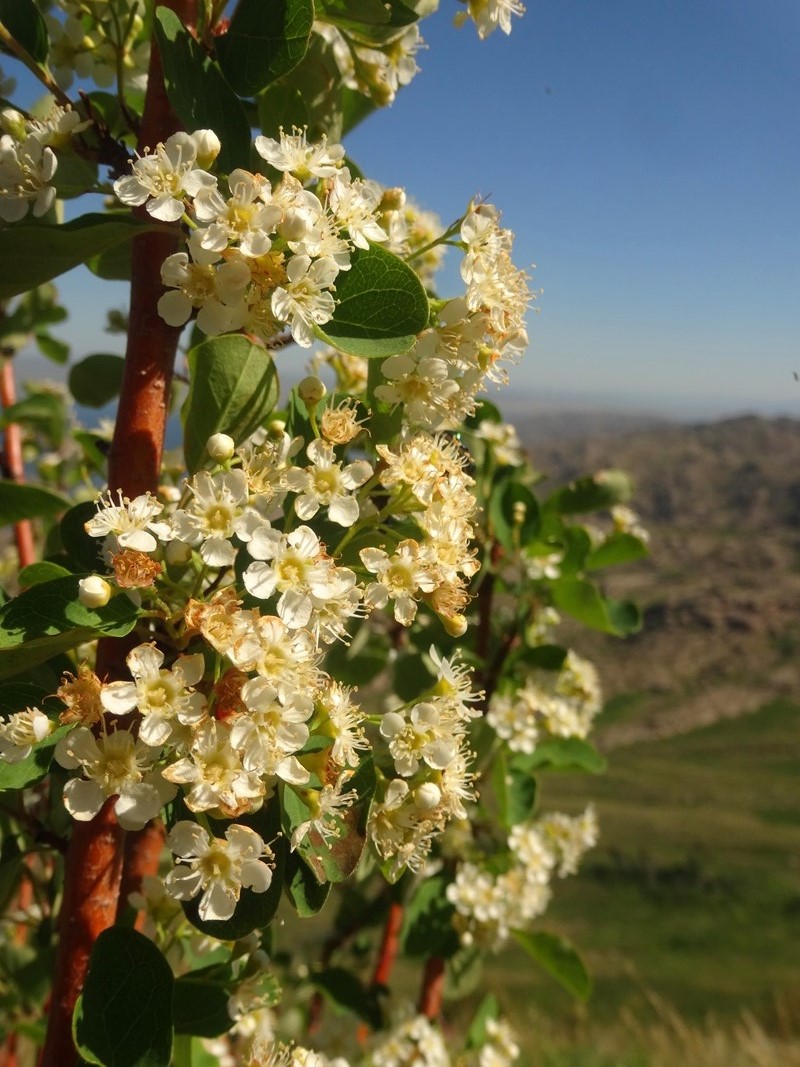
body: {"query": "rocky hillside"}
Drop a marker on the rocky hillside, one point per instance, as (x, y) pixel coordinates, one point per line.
(721, 591)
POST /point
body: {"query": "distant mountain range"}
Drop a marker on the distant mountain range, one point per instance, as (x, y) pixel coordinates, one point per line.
(720, 592)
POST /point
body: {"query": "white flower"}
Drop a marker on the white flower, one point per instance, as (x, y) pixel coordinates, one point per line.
(327, 483)
(214, 770)
(161, 696)
(219, 867)
(355, 205)
(247, 218)
(115, 765)
(305, 301)
(285, 658)
(20, 732)
(216, 289)
(326, 806)
(25, 170)
(217, 512)
(488, 15)
(272, 731)
(163, 179)
(293, 153)
(128, 524)
(422, 735)
(399, 578)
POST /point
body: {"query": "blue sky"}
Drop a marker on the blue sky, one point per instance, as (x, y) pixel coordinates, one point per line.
(647, 155)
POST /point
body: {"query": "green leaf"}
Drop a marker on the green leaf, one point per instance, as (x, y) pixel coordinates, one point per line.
(49, 618)
(16, 696)
(233, 387)
(264, 41)
(113, 265)
(51, 347)
(44, 410)
(360, 661)
(488, 1009)
(200, 1007)
(514, 514)
(428, 922)
(515, 790)
(36, 573)
(366, 15)
(565, 754)
(381, 306)
(124, 1015)
(18, 502)
(412, 676)
(601, 490)
(198, 92)
(540, 657)
(558, 957)
(96, 379)
(617, 548)
(335, 860)
(25, 23)
(344, 990)
(306, 894)
(12, 864)
(34, 253)
(74, 176)
(85, 550)
(281, 106)
(583, 602)
(35, 766)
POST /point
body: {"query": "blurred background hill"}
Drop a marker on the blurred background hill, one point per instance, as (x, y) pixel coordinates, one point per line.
(688, 911)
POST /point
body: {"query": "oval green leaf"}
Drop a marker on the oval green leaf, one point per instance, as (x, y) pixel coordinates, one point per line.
(49, 618)
(264, 41)
(19, 502)
(32, 254)
(233, 387)
(124, 1016)
(558, 957)
(198, 92)
(97, 379)
(381, 306)
(26, 24)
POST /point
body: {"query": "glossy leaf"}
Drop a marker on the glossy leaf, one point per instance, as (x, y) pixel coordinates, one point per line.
(198, 92)
(18, 502)
(381, 306)
(488, 1009)
(558, 957)
(306, 894)
(514, 514)
(31, 254)
(233, 387)
(51, 347)
(124, 1015)
(36, 573)
(583, 602)
(74, 176)
(96, 379)
(114, 264)
(281, 106)
(200, 1007)
(26, 24)
(264, 41)
(49, 618)
(366, 15)
(85, 550)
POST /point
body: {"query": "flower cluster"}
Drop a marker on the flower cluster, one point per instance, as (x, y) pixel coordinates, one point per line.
(28, 159)
(559, 703)
(490, 905)
(95, 39)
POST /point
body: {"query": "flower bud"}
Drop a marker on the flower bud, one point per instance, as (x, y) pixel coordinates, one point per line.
(456, 625)
(94, 591)
(393, 199)
(13, 122)
(220, 447)
(208, 147)
(427, 796)
(177, 552)
(311, 390)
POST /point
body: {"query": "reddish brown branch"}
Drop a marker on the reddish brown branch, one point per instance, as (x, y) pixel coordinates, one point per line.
(91, 890)
(14, 464)
(390, 945)
(142, 856)
(432, 992)
(94, 864)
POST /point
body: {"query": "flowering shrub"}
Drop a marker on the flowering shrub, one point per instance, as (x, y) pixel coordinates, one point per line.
(275, 711)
